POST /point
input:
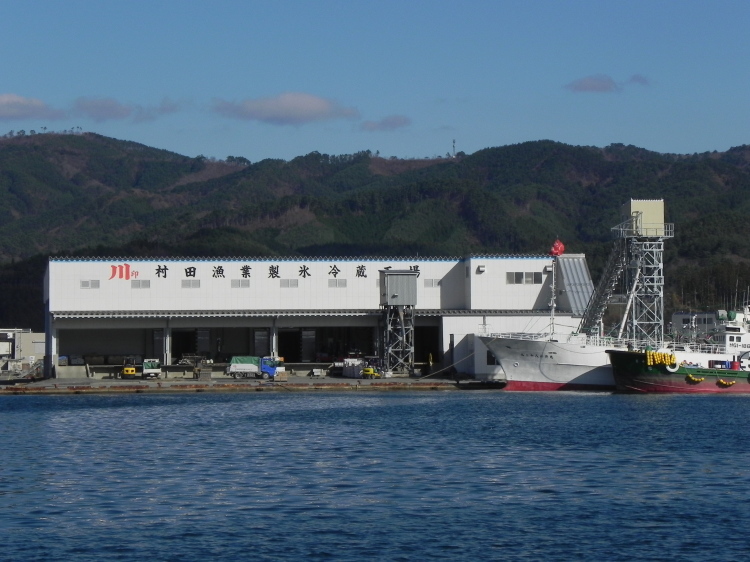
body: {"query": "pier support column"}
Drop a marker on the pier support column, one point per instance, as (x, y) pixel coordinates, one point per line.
(167, 359)
(274, 343)
(50, 346)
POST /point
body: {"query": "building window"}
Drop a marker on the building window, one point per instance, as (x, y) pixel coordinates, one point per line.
(90, 284)
(140, 284)
(337, 283)
(431, 283)
(240, 283)
(191, 283)
(289, 283)
(523, 278)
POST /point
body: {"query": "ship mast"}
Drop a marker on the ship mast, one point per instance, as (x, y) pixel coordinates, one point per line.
(556, 251)
(552, 301)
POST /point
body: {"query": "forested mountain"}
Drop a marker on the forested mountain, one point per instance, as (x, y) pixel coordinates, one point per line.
(92, 195)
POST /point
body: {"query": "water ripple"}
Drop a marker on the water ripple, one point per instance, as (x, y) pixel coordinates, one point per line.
(386, 476)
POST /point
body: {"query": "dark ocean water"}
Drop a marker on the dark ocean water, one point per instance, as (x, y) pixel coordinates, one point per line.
(375, 476)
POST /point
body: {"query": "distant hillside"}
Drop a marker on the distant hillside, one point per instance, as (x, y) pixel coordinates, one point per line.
(89, 194)
(66, 192)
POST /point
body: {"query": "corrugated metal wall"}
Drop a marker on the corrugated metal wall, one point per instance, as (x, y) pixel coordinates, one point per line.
(575, 280)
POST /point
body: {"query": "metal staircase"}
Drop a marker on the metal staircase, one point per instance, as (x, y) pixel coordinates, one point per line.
(638, 252)
(604, 289)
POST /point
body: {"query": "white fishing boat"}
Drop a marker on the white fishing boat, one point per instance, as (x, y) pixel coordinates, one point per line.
(554, 361)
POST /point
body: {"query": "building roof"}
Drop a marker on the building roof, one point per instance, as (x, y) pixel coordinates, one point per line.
(103, 314)
(576, 281)
(294, 258)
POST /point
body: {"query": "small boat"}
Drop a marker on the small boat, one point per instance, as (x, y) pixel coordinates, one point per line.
(694, 368)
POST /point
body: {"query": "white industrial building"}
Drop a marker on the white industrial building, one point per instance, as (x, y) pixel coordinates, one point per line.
(307, 310)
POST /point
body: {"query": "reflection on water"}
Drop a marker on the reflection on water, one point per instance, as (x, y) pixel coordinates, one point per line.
(391, 476)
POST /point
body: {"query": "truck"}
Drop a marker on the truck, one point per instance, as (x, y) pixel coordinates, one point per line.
(245, 366)
(151, 368)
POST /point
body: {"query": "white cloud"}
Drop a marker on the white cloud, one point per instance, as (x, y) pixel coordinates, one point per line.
(102, 109)
(390, 123)
(603, 84)
(106, 109)
(599, 83)
(639, 79)
(17, 107)
(152, 113)
(290, 108)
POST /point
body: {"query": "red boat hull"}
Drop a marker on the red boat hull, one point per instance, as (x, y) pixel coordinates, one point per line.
(527, 386)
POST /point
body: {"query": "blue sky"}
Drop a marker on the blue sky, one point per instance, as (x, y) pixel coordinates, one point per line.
(279, 79)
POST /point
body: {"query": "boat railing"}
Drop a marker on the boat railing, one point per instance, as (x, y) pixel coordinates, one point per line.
(693, 347)
(528, 336)
(573, 337)
(615, 343)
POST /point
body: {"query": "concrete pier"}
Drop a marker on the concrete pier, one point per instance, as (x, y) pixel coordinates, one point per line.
(223, 383)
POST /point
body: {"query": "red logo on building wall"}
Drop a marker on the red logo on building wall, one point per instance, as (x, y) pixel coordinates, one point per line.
(123, 272)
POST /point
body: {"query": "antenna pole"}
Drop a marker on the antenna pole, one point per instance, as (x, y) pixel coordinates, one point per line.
(552, 302)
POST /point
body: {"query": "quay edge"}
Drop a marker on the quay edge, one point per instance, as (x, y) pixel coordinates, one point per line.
(58, 387)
